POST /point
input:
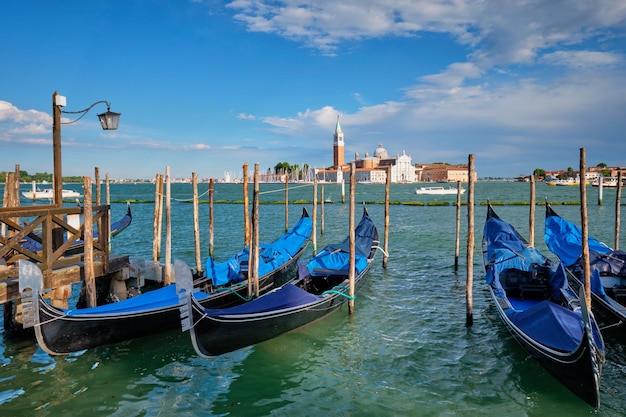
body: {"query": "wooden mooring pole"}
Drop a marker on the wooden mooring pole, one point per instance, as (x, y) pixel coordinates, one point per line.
(90, 276)
(211, 217)
(351, 235)
(458, 226)
(246, 211)
(469, 315)
(322, 211)
(255, 228)
(157, 222)
(167, 277)
(600, 188)
(314, 219)
(585, 228)
(531, 217)
(386, 224)
(286, 203)
(108, 188)
(98, 191)
(343, 191)
(618, 196)
(196, 221)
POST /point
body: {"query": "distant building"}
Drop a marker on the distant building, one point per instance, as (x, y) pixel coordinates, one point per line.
(370, 169)
(591, 174)
(442, 173)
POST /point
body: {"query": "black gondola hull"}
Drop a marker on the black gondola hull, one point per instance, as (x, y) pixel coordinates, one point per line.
(578, 370)
(610, 318)
(58, 333)
(213, 336)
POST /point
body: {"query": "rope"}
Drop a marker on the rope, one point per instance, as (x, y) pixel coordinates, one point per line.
(341, 293)
(231, 289)
(381, 249)
(186, 199)
(280, 190)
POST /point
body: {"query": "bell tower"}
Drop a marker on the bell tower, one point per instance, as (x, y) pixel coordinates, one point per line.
(338, 150)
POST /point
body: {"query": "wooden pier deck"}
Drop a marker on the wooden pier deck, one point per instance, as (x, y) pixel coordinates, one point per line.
(64, 246)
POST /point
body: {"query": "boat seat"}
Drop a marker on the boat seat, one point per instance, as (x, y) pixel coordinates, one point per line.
(619, 293)
(327, 271)
(530, 284)
(512, 278)
(536, 283)
(533, 291)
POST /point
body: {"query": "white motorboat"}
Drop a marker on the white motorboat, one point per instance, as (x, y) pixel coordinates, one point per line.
(438, 190)
(48, 194)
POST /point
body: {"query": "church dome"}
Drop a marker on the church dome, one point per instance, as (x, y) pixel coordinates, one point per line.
(380, 152)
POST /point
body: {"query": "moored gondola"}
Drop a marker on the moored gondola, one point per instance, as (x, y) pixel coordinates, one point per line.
(541, 311)
(60, 331)
(608, 271)
(322, 287)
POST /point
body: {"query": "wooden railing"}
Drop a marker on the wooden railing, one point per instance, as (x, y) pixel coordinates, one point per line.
(61, 241)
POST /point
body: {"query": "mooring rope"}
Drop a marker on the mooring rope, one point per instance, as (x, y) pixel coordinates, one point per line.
(341, 293)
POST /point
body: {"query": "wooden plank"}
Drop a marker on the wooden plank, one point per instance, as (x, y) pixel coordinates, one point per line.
(9, 287)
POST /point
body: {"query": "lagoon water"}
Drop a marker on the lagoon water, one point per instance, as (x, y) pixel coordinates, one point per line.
(405, 352)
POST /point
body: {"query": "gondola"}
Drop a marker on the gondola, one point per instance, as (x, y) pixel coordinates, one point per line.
(541, 311)
(224, 285)
(33, 242)
(321, 287)
(608, 271)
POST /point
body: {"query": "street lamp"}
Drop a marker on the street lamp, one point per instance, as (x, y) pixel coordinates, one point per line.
(109, 121)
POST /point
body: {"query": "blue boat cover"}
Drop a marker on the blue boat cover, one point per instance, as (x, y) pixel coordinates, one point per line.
(337, 262)
(550, 324)
(364, 234)
(271, 255)
(508, 250)
(564, 239)
(156, 299)
(287, 296)
(335, 258)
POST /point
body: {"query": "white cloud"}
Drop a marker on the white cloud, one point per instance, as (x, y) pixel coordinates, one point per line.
(583, 59)
(10, 113)
(500, 32)
(244, 116)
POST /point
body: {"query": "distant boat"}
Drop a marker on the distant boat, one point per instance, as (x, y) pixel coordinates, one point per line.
(610, 182)
(566, 182)
(48, 194)
(438, 190)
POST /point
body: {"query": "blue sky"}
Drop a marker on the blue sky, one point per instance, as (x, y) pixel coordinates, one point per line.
(205, 86)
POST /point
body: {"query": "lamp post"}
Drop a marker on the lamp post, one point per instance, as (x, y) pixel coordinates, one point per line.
(108, 120)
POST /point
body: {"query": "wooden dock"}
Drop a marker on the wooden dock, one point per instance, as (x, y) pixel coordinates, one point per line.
(59, 245)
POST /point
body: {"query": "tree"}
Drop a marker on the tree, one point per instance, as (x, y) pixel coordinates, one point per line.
(539, 173)
(282, 168)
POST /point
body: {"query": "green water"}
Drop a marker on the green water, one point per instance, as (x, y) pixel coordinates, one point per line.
(405, 352)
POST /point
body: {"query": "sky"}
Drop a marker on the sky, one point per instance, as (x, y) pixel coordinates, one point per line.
(205, 86)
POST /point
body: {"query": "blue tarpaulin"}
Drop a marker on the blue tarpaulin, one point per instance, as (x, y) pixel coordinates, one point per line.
(271, 255)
